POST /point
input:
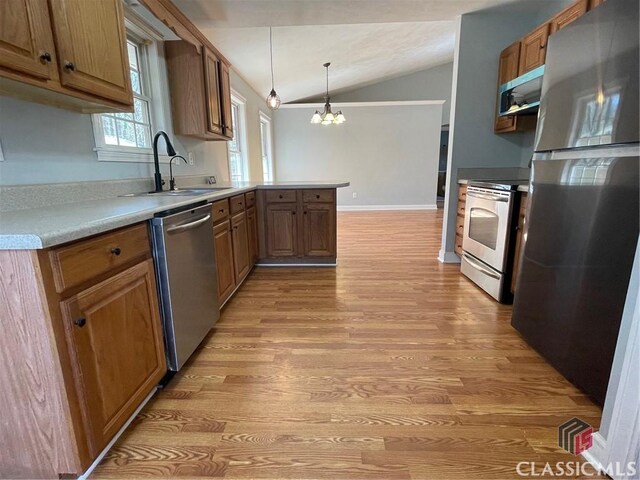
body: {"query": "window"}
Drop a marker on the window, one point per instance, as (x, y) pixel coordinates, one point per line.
(238, 165)
(128, 136)
(265, 144)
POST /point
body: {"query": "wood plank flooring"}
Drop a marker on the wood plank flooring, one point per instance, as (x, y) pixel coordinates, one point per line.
(391, 366)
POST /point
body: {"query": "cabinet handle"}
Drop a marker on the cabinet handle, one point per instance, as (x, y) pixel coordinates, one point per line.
(293, 213)
(81, 322)
(318, 197)
(279, 196)
(221, 210)
(305, 213)
(69, 66)
(116, 251)
(45, 57)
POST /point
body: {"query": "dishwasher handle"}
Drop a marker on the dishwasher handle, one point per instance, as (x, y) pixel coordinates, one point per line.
(189, 226)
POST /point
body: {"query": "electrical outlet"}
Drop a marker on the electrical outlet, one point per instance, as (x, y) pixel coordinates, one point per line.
(355, 194)
(191, 158)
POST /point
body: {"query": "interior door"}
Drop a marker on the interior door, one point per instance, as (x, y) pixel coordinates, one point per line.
(26, 41)
(91, 44)
(115, 340)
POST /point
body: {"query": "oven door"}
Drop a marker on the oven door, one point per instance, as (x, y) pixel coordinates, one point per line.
(486, 225)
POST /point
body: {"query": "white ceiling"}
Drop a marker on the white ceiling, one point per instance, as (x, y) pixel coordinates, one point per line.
(365, 40)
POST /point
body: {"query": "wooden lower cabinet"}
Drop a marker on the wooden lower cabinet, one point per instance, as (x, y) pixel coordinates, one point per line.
(240, 240)
(282, 229)
(319, 230)
(115, 338)
(252, 232)
(462, 200)
(224, 260)
(519, 239)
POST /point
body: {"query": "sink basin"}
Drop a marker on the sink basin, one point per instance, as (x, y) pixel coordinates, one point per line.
(187, 192)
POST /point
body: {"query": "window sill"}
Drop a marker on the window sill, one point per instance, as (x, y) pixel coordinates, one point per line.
(109, 155)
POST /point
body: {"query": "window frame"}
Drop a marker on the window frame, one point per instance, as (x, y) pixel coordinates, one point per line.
(157, 93)
(240, 136)
(265, 119)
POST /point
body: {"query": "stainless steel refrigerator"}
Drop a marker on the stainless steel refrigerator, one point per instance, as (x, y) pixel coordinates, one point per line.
(583, 217)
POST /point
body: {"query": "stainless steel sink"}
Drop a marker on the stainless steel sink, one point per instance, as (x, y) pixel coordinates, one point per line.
(187, 192)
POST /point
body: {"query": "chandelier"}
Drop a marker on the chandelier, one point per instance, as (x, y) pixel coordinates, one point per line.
(327, 117)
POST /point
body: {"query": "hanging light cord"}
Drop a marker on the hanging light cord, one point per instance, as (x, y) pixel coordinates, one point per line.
(271, 54)
(327, 80)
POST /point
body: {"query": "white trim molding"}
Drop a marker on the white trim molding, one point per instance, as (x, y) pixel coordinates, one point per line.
(368, 208)
(448, 257)
(407, 103)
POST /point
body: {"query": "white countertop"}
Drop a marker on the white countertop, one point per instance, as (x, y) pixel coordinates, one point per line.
(45, 227)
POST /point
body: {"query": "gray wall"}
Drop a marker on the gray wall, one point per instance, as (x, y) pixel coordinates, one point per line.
(472, 143)
(388, 153)
(43, 144)
(430, 84)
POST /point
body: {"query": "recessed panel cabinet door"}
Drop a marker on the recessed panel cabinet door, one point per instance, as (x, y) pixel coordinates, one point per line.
(534, 49)
(224, 260)
(282, 230)
(225, 93)
(252, 232)
(568, 15)
(319, 229)
(240, 238)
(115, 339)
(91, 43)
(212, 91)
(507, 70)
(26, 41)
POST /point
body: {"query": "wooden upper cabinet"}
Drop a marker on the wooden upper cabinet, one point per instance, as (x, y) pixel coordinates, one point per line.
(568, 15)
(212, 91)
(115, 337)
(595, 3)
(26, 41)
(92, 51)
(507, 70)
(225, 91)
(534, 49)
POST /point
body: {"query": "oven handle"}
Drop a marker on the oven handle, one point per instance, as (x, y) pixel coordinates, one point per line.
(485, 196)
(478, 266)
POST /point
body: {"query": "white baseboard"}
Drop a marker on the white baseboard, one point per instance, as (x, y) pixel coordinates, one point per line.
(366, 208)
(448, 257)
(597, 454)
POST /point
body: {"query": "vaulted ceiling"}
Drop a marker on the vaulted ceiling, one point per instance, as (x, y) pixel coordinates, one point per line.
(365, 40)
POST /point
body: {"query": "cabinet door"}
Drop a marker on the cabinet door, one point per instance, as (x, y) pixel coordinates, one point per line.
(225, 93)
(319, 230)
(240, 239)
(26, 41)
(519, 238)
(252, 231)
(115, 339)
(507, 70)
(282, 229)
(568, 15)
(212, 91)
(224, 260)
(534, 49)
(91, 46)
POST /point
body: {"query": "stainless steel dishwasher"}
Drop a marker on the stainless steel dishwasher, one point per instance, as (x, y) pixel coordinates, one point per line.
(186, 270)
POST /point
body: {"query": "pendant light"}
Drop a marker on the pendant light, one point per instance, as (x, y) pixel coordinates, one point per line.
(327, 117)
(273, 100)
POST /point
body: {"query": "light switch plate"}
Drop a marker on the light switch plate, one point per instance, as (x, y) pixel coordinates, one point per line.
(191, 158)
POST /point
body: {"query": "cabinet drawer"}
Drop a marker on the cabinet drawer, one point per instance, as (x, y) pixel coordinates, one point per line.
(273, 196)
(220, 210)
(250, 199)
(459, 225)
(324, 195)
(84, 260)
(237, 204)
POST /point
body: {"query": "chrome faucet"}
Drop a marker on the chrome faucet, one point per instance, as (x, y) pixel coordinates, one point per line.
(170, 151)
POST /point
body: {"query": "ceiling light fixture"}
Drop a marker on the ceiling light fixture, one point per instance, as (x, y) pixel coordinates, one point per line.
(273, 100)
(327, 117)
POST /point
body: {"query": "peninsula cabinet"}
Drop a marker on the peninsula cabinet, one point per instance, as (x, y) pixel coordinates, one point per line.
(64, 72)
(200, 91)
(83, 338)
(297, 226)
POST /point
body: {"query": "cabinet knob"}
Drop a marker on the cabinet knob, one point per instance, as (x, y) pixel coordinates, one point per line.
(305, 213)
(318, 197)
(69, 66)
(221, 210)
(293, 213)
(81, 322)
(45, 57)
(116, 251)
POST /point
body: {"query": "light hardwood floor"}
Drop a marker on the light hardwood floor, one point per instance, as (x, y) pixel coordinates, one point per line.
(390, 366)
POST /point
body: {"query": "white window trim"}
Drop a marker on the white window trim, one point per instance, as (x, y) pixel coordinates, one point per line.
(264, 118)
(157, 85)
(242, 121)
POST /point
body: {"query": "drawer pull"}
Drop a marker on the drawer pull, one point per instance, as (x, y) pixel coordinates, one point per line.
(81, 322)
(221, 210)
(279, 196)
(116, 251)
(318, 197)
(45, 57)
(69, 66)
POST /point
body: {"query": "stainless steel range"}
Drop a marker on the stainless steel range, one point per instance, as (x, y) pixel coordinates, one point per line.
(488, 228)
